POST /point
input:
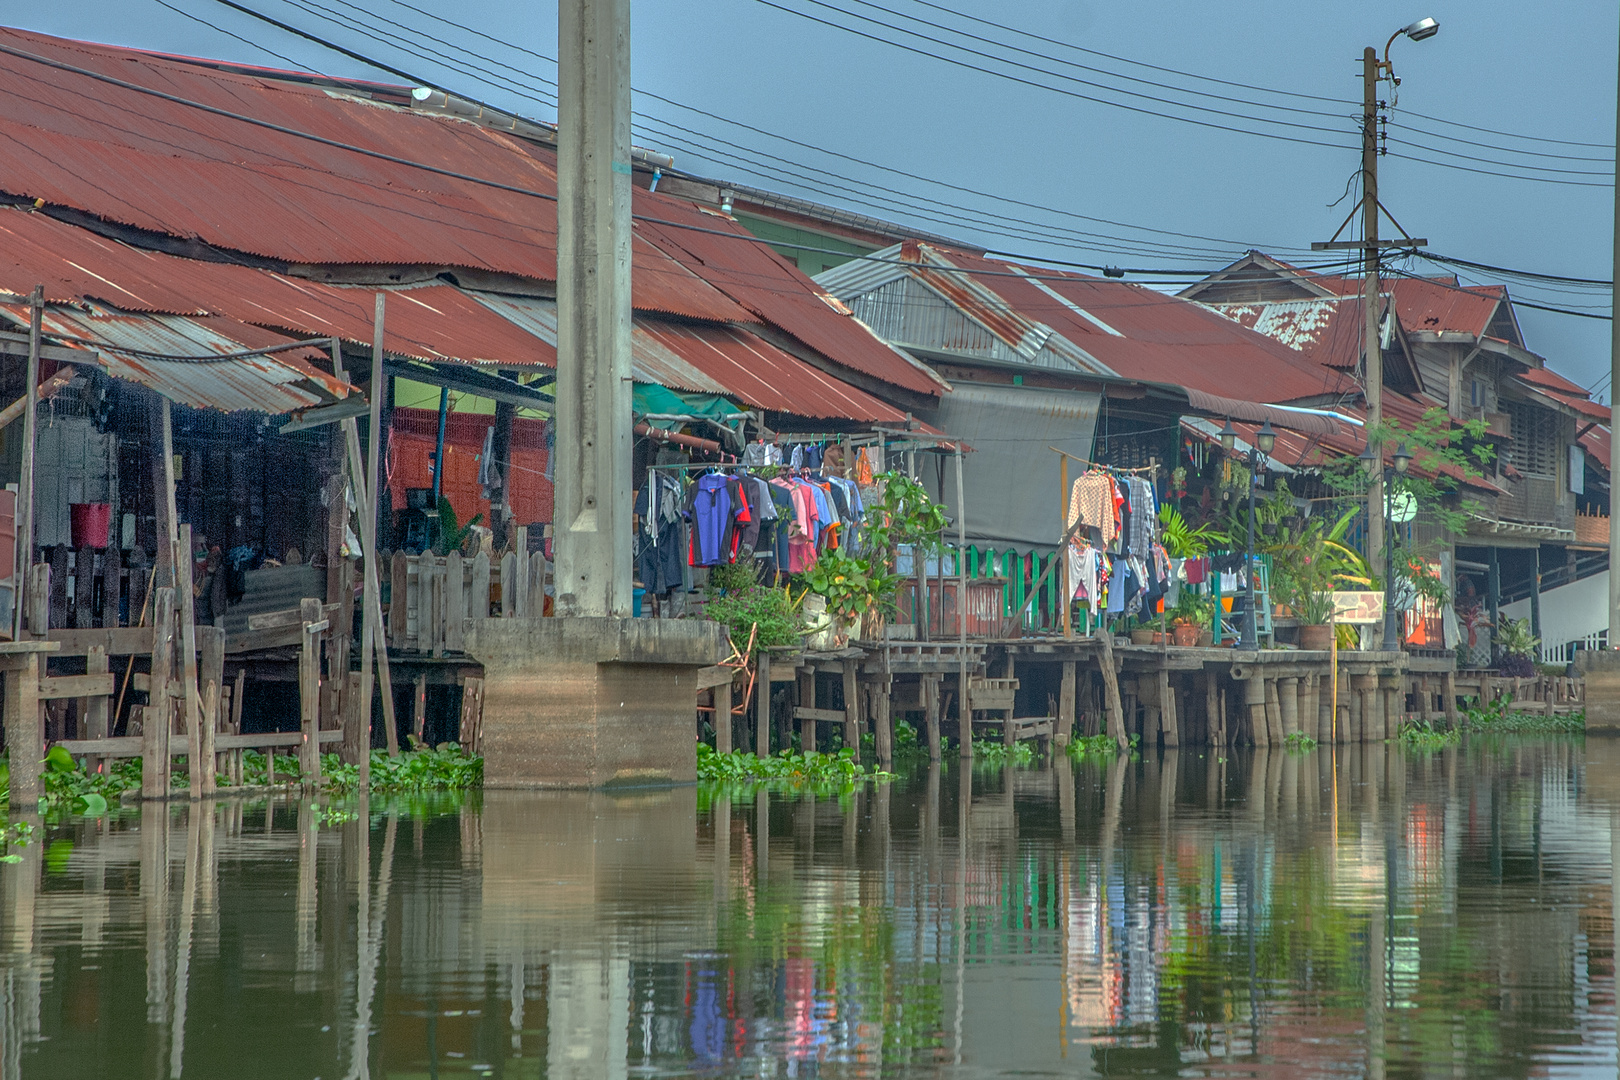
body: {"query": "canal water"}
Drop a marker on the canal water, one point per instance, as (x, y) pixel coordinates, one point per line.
(1369, 912)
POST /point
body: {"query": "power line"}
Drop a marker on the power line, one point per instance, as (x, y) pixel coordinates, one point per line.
(1433, 256)
(1516, 303)
(889, 197)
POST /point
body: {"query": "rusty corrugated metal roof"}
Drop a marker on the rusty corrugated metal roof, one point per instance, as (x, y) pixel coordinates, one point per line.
(277, 383)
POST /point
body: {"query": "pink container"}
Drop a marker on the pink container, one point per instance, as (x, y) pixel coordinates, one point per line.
(90, 524)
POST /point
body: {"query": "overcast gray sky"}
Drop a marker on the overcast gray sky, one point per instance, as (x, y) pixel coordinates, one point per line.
(1530, 73)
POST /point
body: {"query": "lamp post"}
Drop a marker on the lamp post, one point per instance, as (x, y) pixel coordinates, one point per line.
(1402, 461)
(1265, 440)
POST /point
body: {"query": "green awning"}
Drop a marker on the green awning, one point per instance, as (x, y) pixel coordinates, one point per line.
(650, 399)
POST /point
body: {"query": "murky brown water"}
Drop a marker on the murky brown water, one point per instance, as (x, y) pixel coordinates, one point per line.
(1377, 914)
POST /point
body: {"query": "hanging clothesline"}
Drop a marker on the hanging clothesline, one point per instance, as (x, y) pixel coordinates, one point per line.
(1105, 468)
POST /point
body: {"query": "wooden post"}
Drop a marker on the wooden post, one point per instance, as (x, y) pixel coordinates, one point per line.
(478, 601)
(455, 603)
(84, 573)
(509, 585)
(236, 722)
(188, 632)
(931, 695)
(93, 717)
(39, 599)
(1168, 718)
(884, 735)
(852, 712)
(1212, 709)
(472, 715)
(157, 723)
(111, 583)
(25, 480)
(1448, 687)
(537, 584)
(762, 705)
(1116, 715)
(25, 732)
(520, 586)
(201, 762)
(309, 691)
(339, 591)
(399, 588)
(807, 700)
(419, 710)
(722, 718)
(1066, 699)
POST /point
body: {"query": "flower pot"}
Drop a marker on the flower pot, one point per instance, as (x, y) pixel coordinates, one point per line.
(1269, 529)
(1160, 639)
(1318, 638)
(1141, 636)
(1206, 638)
(1186, 635)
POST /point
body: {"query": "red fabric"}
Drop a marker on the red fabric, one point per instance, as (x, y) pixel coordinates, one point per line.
(410, 462)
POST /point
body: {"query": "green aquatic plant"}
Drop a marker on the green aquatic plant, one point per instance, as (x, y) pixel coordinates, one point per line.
(790, 767)
(1299, 742)
(1499, 717)
(996, 752)
(1423, 735)
(1099, 745)
(446, 768)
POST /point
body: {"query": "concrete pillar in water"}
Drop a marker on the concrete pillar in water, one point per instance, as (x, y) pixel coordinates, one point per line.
(593, 533)
(1288, 703)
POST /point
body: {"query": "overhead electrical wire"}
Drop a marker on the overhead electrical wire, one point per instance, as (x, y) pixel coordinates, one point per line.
(1071, 93)
(887, 195)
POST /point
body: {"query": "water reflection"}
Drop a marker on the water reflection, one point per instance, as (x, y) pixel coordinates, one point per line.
(1364, 913)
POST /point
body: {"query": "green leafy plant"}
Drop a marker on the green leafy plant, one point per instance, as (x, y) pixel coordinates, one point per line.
(1182, 541)
(1299, 742)
(790, 768)
(995, 752)
(1082, 746)
(451, 534)
(735, 597)
(1500, 718)
(1518, 647)
(851, 584)
(1424, 735)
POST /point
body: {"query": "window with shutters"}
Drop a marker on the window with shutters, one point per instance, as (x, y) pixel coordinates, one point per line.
(1534, 449)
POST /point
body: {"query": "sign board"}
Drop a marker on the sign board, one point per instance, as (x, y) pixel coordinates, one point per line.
(1358, 608)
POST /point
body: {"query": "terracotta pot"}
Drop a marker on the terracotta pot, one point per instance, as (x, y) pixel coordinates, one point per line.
(1186, 635)
(1160, 639)
(1142, 636)
(1317, 638)
(1206, 638)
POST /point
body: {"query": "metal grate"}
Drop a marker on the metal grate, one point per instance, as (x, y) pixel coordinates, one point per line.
(1534, 449)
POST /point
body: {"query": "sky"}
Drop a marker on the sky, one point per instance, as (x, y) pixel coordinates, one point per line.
(1047, 159)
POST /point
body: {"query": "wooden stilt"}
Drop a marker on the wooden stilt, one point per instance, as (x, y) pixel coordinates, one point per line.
(722, 718)
(157, 722)
(309, 691)
(1116, 715)
(1066, 699)
(807, 700)
(762, 706)
(202, 763)
(852, 710)
(419, 711)
(931, 714)
(93, 714)
(1168, 719)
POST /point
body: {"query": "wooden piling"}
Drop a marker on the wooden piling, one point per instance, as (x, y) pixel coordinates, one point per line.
(762, 706)
(419, 710)
(309, 691)
(852, 710)
(807, 700)
(1169, 721)
(1066, 696)
(157, 721)
(202, 765)
(931, 718)
(722, 718)
(93, 710)
(1116, 715)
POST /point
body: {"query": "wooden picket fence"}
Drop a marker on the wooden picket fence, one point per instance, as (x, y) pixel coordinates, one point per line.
(432, 596)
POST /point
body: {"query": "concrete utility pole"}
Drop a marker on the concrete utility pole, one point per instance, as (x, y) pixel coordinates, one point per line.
(592, 518)
(1373, 354)
(1614, 413)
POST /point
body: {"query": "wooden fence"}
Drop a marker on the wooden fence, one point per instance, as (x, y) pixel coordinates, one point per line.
(431, 596)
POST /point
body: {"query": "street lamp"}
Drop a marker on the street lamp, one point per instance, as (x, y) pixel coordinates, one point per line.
(1265, 440)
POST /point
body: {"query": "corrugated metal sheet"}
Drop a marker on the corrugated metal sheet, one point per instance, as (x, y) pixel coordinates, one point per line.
(278, 383)
(765, 376)
(136, 159)
(1439, 307)
(779, 294)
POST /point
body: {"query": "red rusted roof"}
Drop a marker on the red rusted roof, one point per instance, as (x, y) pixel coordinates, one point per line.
(779, 294)
(1144, 334)
(154, 164)
(766, 377)
(1440, 307)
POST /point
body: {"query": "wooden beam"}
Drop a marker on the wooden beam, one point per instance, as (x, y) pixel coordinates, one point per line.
(309, 697)
(25, 483)
(714, 675)
(293, 617)
(56, 687)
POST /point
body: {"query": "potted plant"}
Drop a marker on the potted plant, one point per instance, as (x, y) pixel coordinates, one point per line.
(852, 587)
(1518, 647)
(1190, 617)
(1315, 612)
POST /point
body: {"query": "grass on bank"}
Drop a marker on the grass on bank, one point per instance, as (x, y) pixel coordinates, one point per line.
(1500, 718)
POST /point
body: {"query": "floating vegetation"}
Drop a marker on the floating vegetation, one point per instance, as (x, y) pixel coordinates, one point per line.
(1422, 735)
(1299, 742)
(1499, 717)
(995, 752)
(790, 766)
(1100, 745)
(447, 768)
